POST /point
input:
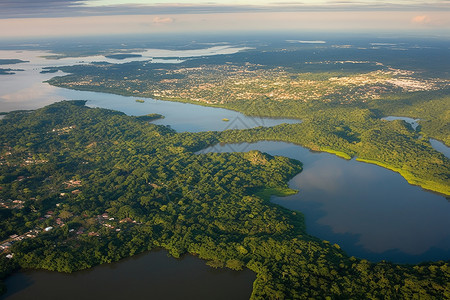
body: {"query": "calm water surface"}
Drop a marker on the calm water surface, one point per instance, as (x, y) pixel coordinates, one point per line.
(27, 90)
(371, 212)
(413, 122)
(152, 275)
(441, 147)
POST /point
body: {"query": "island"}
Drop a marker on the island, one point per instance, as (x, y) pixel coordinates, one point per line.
(48, 70)
(13, 61)
(150, 117)
(9, 71)
(122, 56)
(84, 186)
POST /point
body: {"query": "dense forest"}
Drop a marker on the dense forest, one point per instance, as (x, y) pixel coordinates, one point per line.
(340, 103)
(354, 131)
(85, 186)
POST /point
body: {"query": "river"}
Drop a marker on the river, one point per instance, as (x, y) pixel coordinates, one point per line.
(369, 211)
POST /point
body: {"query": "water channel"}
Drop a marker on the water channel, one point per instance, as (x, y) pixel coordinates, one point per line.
(369, 211)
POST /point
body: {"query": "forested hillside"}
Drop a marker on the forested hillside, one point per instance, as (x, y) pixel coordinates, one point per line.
(86, 186)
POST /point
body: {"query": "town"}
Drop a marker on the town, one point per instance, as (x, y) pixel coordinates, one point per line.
(227, 83)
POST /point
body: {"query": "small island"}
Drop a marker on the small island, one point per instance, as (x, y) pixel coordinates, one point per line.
(140, 101)
(13, 61)
(122, 56)
(149, 117)
(9, 71)
(47, 70)
(225, 120)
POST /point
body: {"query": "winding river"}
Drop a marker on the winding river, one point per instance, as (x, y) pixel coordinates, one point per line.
(371, 212)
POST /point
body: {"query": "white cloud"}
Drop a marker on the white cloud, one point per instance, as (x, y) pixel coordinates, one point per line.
(162, 20)
(351, 21)
(421, 19)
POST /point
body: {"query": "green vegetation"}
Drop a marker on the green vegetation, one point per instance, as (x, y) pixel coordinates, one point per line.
(226, 120)
(432, 108)
(335, 152)
(112, 186)
(150, 117)
(341, 110)
(140, 101)
(266, 193)
(352, 131)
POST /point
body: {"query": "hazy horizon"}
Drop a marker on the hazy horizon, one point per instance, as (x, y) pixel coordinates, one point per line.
(57, 18)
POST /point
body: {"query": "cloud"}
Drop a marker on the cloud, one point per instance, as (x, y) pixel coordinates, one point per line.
(77, 8)
(421, 19)
(216, 23)
(161, 20)
(37, 8)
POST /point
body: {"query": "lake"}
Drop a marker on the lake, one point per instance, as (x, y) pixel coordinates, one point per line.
(369, 211)
(151, 275)
(27, 90)
(413, 122)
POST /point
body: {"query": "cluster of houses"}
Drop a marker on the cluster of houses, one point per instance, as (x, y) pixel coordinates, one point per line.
(63, 130)
(11, 204)
(5, 245)
(3, 160)
(103, 219)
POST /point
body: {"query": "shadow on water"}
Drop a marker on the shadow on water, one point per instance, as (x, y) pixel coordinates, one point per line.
(350, 242)
(20, 282)
(151, 275)
(371, 212)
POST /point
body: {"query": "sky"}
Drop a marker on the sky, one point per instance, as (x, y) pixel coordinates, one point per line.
(46, 18)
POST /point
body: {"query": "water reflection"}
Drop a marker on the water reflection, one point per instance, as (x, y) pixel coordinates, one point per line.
(369, 211)
(27, 90)
(441, 147)
(413, 122)
(152, 275)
